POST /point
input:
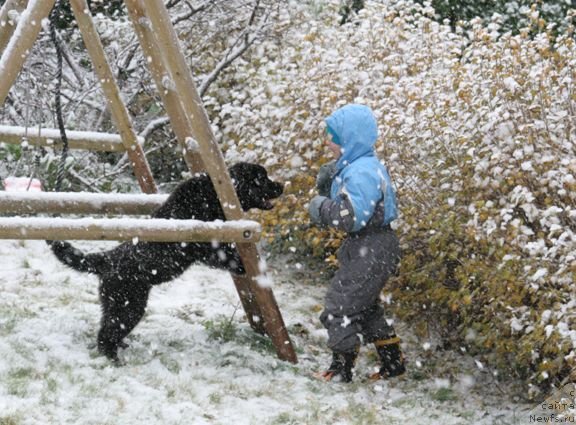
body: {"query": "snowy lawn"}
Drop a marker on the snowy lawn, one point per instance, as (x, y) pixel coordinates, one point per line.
(194, 359)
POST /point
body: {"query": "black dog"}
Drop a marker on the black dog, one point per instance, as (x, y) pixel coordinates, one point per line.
(128, 272)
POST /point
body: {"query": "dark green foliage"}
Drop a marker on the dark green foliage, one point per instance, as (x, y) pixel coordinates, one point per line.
(510, 15)
(166, 162)
(349, 7)
(10, 152)
(65, 17)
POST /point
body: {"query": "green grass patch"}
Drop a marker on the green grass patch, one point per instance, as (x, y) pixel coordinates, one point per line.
(444, 394)
(10, 420)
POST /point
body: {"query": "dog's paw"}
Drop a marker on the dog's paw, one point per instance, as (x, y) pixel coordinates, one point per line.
(110, 351)
(117, 362)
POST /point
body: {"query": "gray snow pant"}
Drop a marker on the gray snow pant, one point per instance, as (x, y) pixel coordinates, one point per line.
(352, 307)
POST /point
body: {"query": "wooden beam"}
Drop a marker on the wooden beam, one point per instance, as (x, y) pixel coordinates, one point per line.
(7, 23)
(152, 230)
(21, 42)
(183, 85)
(118, 110)
(257, 300)
(156, 64)
(78, 203)
(189, 111)
(49, 137)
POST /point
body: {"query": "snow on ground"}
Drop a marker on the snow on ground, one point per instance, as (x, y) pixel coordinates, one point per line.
(177, 371)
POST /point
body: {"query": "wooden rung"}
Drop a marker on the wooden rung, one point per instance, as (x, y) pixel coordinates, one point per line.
(153, 230)
(83, 140)
(78, 203)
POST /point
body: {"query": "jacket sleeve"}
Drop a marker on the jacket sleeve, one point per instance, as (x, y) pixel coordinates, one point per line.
(363, 191)
(355, 202)
(338, 213)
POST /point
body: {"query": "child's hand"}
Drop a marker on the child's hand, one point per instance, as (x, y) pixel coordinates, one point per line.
(324, 178)
(314, 208)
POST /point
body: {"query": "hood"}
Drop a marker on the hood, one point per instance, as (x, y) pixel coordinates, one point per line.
(354, 129)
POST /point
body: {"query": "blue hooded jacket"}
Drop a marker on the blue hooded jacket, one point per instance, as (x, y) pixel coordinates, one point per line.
(360, 176)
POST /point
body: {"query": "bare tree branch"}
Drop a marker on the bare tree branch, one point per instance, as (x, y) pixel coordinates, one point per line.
(172, 3)
(84, 182)
(68, 58)
(248, 38)
(193, 11)
(230, 57)
(153, 126)
(12, 108)
(121, 75)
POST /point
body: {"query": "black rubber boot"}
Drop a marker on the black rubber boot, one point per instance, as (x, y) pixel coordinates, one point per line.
(393, 363)
(341, 367)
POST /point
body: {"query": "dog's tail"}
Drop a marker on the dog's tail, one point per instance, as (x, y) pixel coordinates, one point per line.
(76, 259)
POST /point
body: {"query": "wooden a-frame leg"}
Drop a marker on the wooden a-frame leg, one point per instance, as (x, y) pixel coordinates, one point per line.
(7, 25)
(243, 286)
(119, 112)
(193, 109)
(265, 300)
(159, 68)
(156, 65)
(183, 130)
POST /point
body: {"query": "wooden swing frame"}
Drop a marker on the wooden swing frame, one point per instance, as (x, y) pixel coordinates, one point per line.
(159, 43)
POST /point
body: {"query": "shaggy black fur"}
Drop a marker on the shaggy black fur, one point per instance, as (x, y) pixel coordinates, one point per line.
(128, 272)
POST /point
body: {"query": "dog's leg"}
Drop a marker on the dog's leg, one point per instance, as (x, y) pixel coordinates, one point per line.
(122, 308)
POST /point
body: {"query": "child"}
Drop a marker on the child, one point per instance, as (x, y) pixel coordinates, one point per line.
(362, 202)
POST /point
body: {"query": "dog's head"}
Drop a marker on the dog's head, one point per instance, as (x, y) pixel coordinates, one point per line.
(254, 188)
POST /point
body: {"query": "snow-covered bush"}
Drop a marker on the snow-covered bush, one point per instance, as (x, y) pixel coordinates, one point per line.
(478, 132)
